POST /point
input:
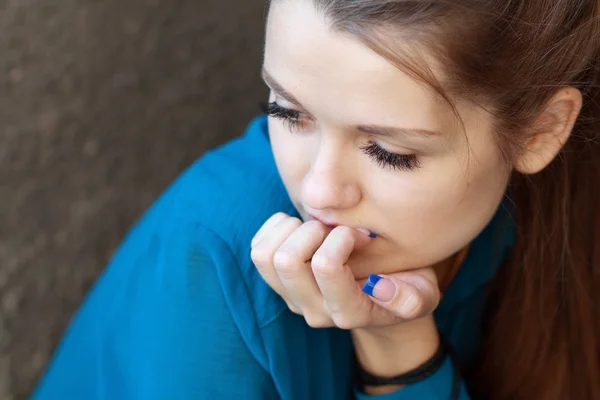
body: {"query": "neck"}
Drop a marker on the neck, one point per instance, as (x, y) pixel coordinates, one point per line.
(446, 270)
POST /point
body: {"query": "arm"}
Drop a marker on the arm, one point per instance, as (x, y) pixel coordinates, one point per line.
(158, 326)
(395, 350)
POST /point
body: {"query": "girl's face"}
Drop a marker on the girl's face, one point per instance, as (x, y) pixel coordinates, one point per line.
(369, 147)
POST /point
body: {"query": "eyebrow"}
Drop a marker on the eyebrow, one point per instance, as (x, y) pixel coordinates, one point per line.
(370, 129)
(393, 131)
(273, 84)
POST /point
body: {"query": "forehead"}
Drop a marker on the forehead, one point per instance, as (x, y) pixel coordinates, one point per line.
(334, 71)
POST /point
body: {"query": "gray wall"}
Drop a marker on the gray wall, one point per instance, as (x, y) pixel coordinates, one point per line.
(102, 104)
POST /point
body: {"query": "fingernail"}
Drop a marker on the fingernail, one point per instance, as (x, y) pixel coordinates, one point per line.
(367, 232)
(379, 288)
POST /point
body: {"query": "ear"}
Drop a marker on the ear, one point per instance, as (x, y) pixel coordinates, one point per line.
(554, 127)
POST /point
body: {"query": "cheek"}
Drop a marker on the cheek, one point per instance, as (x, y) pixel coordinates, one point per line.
(291, 156)
(434, 212)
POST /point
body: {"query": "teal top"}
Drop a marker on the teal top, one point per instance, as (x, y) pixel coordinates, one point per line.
(182, 313)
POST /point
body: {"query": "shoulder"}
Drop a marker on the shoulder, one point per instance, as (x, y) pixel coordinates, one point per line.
(235, 187)
(232, 189)
(170, 305)
(213, 210)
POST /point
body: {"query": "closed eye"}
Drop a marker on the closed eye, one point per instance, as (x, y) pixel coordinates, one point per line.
(403, 162)
(295, 121)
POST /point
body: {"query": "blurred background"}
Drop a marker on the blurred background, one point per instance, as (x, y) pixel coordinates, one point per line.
(102, 105)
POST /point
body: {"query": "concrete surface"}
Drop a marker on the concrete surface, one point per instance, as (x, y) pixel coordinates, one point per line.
(102, 104)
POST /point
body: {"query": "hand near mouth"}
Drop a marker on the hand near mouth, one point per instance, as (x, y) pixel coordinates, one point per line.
(306, 264)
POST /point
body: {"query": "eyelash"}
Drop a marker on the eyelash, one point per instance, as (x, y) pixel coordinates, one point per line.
(384, 158)
(288, 116)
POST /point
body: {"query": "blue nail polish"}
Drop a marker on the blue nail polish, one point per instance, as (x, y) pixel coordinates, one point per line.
(370, 284)
(372, 235)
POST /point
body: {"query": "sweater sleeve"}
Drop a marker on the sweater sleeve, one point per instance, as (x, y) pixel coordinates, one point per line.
(438, 386)
(157, 325)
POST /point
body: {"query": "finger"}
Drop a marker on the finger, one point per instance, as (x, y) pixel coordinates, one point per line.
(292, 264)
(263, 252)
(408, 295)
(269, 223)
(342, 294)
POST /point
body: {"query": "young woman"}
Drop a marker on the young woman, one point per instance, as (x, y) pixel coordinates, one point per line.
(417, 219)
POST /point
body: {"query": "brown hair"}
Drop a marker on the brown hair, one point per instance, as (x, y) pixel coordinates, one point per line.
(511, 56)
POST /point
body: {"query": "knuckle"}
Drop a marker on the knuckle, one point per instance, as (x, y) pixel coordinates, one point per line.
(293, 308)
(437, 297)
(412, 306)
(295, 222)
(345, 322)
(313, 224)
(278, 215)
(260, 257)
(429, 274)
(285, 262)
(343, 232)
(284, 257)
(323, 265)
(316, 226)
(318, 321)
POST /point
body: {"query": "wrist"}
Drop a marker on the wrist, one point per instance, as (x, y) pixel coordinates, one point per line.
(395, 350)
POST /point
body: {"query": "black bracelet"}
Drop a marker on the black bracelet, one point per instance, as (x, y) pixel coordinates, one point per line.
(420, 373)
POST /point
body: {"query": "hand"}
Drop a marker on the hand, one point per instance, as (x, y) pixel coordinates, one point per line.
(306, 264)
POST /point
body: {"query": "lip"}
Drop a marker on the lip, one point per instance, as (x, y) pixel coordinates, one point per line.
(331, 225)
(328, 223)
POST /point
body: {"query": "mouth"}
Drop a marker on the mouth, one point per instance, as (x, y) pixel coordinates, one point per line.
(331, 225)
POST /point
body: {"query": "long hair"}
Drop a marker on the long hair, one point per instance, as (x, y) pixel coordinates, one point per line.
(511, 56)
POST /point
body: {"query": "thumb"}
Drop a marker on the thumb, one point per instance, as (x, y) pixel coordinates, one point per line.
(407, 295)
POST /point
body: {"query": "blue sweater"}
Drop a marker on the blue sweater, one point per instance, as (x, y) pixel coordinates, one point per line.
(182, 313)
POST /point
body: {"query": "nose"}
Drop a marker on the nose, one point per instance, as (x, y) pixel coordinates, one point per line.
(331, 182)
